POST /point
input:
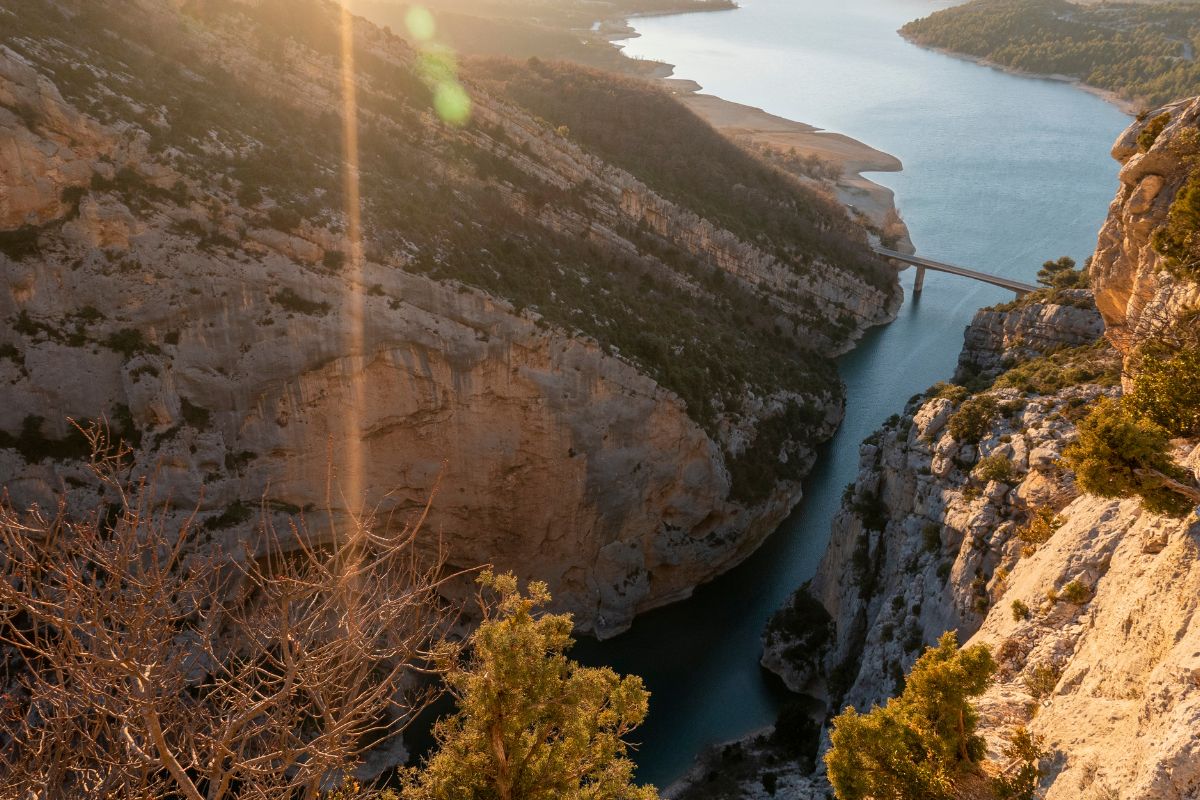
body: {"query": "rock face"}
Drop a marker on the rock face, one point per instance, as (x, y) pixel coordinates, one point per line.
(1133, 292)
(931, 540)
(1087, 604)
(245, 358)
(999, 337)
(37, 165)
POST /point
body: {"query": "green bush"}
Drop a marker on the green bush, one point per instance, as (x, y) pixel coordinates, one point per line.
(334, 260)
(1094, 363)
(796, 732)
(1149, 134)
(35, 447)
(1042, 524)
(1025, 751)
(1061, 274)
(291, 301)
(921, 741)
(1166, 387)
(284, 218)
(973, 419)
(996, 468)
(196, 416)
(1076, 593)
(948, 391)
(871, 509)
(234, 514)
(1020, 611)
(20, 243)
(1042, 680)
(1119, 454)
(1178, 239)
(530, 722)
(129, 342)
(804, 622)
(931, 537)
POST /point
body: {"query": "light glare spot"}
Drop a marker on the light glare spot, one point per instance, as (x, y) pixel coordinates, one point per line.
(420, 24)
(439, 69)
(452, 103)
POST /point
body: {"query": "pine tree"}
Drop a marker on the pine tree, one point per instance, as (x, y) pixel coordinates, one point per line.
(531, 723)
(1061, 274)
(1121, 454)
(918, 743)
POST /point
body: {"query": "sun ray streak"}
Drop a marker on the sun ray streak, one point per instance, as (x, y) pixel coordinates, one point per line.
(351, 462)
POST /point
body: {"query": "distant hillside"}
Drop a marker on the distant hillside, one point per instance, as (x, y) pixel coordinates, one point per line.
(1145, 53)
(562, 29)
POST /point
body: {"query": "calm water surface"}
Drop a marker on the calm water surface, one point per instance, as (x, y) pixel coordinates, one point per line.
(1001, 173)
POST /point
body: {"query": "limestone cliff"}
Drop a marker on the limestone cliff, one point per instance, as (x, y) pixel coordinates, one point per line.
(1134, 293)
(963, 518)
(531, 329)
(1006, 335)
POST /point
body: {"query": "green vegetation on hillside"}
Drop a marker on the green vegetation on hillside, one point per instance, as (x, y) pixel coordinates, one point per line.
(1124, 447)
(524, 29)
(1177, 240)
(1142, 52)
(921, 742)
(628, 122)
(1122, 454)
(532, 724)
(1090, 363)
(464, 204)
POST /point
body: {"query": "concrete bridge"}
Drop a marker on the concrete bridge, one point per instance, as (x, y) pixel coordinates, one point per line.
(923, 264)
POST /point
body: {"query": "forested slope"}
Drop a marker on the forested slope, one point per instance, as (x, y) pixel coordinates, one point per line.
(1143, 52)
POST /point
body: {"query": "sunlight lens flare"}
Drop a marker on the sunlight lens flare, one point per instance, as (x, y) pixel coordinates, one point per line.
(438, 67)
(351, 461)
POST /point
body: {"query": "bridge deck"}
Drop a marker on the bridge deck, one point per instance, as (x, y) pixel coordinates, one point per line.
(1007, 283)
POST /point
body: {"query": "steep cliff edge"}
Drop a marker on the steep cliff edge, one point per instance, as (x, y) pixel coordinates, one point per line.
(545, 337)
(964, 517)
(1134, 292)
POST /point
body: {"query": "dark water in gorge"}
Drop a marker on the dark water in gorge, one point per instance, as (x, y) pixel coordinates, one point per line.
(1001, 173)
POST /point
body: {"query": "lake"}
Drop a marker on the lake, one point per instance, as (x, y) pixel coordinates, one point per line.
(1001, 173)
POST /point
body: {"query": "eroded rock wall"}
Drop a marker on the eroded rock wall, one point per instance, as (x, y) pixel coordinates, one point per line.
(248, 367)
(1134, 292)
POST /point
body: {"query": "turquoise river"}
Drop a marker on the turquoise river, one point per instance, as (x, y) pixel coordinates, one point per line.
(1000, 173)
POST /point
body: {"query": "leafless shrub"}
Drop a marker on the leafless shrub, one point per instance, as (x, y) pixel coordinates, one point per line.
(136, 665)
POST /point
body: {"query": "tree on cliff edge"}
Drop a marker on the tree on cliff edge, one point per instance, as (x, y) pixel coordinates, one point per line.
(920, 742)
(532, 724)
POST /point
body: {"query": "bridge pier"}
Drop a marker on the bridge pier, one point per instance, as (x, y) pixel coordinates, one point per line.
(919, 283)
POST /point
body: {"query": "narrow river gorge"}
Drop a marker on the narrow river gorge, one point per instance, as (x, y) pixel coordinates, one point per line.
(1001, 172)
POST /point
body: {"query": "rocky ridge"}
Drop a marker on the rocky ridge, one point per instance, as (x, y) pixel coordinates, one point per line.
(1001, 337)
(154, 274)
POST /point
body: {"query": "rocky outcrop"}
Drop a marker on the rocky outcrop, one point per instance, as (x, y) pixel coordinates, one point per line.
(1000, 337)
(1087, 604)
(1111, 679)
(48, 147)
(1133, 291)
(940, 535)
(921, 537)
(246, 358)
(1092, 629)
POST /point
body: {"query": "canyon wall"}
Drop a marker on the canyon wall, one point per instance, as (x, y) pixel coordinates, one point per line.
(1087, 604)
(235, 353)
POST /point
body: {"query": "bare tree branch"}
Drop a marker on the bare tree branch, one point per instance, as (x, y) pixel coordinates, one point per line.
(137, 664)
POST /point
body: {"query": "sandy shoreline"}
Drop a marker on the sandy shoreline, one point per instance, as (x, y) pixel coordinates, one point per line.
(754, 126)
